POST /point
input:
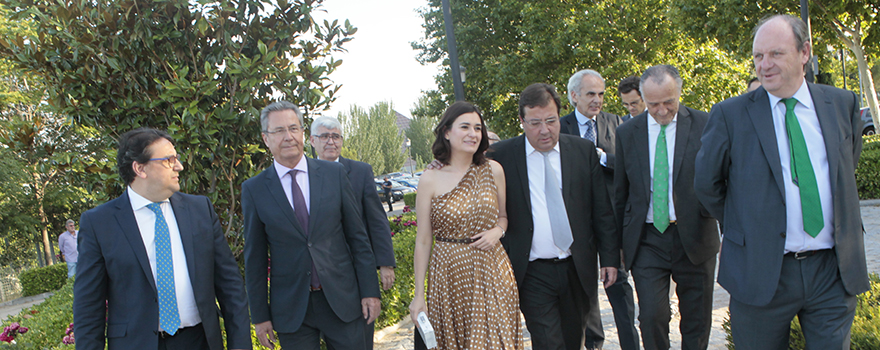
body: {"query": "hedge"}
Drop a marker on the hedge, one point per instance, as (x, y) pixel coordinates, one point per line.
(43, 279)
(410, 199)
(46, 322)
(868, 171)
(395, 301)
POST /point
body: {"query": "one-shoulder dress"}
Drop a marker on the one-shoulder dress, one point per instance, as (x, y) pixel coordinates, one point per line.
(472, 297)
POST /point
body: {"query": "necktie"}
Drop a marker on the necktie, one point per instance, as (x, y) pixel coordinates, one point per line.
(802, 172)
(169, 316)
(661, 182)
(590, 134)
(302, 216)
(556, 207)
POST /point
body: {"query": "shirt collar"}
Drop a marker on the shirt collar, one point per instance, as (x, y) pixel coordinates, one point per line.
(283, 170)
(802, 95)
(652, 122)
(138, 201)
(582, 119)
(530, 150)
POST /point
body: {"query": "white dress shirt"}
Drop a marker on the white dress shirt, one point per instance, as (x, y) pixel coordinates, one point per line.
(543, 246)
(302, 179)
(582, 127)
(796, 239)
(653, 134)
(146, 221)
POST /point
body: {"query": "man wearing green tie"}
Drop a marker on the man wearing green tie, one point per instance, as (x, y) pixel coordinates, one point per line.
(666, 232)
(777, 169)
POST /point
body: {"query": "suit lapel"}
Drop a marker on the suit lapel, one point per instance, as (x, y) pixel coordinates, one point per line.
(273, 186)
(316, 188)
(522, 170)
(603, 129)
(185, 227)
(345, 163)
(642, 152)
(682, 134)
(566, 157)
(128, 224)
(828, 122)
(762, 118)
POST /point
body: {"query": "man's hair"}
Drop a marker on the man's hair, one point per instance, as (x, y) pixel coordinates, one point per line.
(326, 123)
(798, 29)
(658, 75)
(537, 95)
(275, 107)
(574, 83)
(628, 84)
(441, 148)
(69, 222)
(751, 81)
(133, 148)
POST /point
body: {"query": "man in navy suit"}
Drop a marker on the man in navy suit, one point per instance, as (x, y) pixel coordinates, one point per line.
(154, 263)
(327, 140)
(302, 213)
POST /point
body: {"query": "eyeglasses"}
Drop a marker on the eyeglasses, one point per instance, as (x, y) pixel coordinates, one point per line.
(293, 129)
(537, 122)
(168, 162)
(329, 136)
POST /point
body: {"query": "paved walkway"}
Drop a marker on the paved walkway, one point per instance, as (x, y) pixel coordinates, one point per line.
(399, 337)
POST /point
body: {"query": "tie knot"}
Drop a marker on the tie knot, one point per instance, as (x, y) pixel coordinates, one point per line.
(789, 103)
(155, 208)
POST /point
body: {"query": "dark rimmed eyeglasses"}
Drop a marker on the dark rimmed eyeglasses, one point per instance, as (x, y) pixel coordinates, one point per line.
(168, 162)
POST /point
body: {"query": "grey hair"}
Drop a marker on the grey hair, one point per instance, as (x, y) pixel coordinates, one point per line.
(574, 83)
(69, 222)
(658, 75)
(798, 29)
(326, 123)
(275, 107)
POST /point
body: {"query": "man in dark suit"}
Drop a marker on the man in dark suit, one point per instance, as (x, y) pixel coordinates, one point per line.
(777, 170)
(327, 140)
(665, 230)
(301, 212)
(586, 92)
(631, 97)
(154, 263)
(560, 216)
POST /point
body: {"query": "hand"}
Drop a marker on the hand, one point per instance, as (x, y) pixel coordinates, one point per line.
(387, 275)
(371, 308)
(487, 239)
(435, 165)
(415, 307)
(265, 334)
(600, 152)
(608, 275)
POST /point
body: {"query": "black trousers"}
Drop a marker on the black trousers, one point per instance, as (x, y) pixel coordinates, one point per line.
(661, 255)
(322, 322)
(620, 295)
(554, 304)
(389, 198)
(185, 339)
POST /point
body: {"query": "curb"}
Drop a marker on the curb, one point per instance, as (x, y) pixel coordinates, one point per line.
(24, 300)
(869, 203)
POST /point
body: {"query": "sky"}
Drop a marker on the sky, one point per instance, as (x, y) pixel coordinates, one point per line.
(380, 64)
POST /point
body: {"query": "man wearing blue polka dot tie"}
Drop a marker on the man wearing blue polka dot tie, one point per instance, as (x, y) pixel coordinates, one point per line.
(666, 232)
(154, 263)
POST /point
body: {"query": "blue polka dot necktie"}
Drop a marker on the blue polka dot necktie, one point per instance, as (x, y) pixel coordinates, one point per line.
(590, 134)
(169, 317)
(661, 182)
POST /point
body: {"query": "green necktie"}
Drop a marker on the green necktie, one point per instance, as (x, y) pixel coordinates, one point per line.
(661, 182)
(802, 172)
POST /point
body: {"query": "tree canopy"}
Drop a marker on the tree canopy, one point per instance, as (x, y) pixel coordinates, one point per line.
(374, 137)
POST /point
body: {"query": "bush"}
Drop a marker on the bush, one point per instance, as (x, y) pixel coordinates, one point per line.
(46, 321)
(865, 333)
(43, 279)
(868, 171)
(395, 301)
(410, 199)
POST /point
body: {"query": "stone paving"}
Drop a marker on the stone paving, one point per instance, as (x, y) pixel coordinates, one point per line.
(399, 337)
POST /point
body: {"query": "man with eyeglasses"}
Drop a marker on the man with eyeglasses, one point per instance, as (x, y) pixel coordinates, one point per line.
(631, 97)
(302, 212)
(327, 140)
(154, 263)
(560, 219)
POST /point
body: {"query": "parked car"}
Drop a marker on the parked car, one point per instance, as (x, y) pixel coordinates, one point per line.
(868, 129)
(412, 182)
(395, 185)
(396, 195)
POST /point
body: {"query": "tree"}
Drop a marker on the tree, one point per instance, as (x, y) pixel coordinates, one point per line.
(201, 70)
(421, 129)
(836, 24)
(374, 136)
(506, 45)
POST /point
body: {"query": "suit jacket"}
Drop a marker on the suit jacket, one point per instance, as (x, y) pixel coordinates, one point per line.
(368, 203)
(113, 267)
(586, 201)
(606, 126)
(632, 181)
(740, 182)
(337, 244)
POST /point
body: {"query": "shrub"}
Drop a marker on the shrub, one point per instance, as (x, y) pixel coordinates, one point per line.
(410, 199)
(43, 279)
(46, 321)
(395, 301)
(868, 171)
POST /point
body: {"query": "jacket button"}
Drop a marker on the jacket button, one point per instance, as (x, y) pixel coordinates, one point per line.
(782, 235)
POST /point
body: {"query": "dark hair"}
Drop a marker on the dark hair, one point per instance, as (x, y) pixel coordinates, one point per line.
(537, 95)
(751, 81)
(628, 84)
(133, 148)
(441, 148)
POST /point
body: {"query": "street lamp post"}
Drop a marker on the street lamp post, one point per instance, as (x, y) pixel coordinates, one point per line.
(457, 84)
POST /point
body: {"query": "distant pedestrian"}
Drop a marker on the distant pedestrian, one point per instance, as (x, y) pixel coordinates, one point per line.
(387, 186)
(67, 244)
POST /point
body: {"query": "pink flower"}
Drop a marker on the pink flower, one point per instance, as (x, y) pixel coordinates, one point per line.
(6, 338)
(23, 330)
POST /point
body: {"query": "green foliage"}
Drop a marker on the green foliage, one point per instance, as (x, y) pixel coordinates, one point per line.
(395, 301)
(46, 321)
(43, 279)
(374, 136)
(421, 136)
(868, 171)
(409, 199)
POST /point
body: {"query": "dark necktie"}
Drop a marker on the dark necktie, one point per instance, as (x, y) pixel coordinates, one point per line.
(169, 316)
(802, 174)
(302, 216)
